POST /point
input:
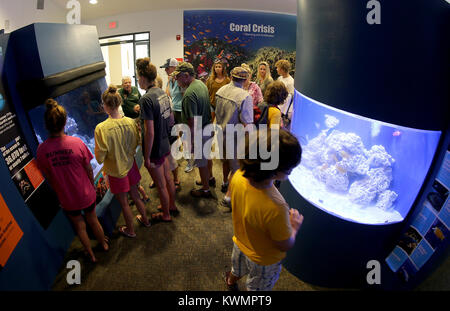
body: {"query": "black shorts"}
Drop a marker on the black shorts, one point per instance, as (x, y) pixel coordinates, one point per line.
(78, 212)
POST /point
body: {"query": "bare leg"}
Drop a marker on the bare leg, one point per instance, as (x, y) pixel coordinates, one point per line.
(97, 229)
(210, 168)
(139, 204)
(226, 171)
(127, 215)
(175, 175)
(80, 228)
(158, 176)
(170, 185)
(204, 176)
(142, 192)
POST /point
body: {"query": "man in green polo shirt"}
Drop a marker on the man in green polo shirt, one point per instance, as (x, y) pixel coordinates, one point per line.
(196, 104)
(130, 98)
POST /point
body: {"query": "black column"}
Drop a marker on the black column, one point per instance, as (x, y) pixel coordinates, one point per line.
(396, 71)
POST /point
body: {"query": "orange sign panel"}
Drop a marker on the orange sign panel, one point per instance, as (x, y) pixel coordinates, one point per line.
(10, 232)
(34, 174)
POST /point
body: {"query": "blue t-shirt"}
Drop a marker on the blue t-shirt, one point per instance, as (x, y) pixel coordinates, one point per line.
(176, 94)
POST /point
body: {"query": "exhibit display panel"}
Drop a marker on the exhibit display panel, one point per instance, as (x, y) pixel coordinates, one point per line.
(357, 168)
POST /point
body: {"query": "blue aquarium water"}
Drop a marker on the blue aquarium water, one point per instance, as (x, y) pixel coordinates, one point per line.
(356, 168)
(84, 112)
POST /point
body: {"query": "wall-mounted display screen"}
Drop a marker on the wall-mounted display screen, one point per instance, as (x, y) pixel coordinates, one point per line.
(359, 169)
(84, 112)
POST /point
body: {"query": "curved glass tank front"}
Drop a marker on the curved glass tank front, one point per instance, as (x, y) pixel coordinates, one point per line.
(362, 170)
(84, 112)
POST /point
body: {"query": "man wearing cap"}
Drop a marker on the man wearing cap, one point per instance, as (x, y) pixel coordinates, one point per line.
(130, 98)
(176, 94)
(234, 105)
(196, 104)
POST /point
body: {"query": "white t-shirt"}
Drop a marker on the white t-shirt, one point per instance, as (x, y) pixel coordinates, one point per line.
(289, 82)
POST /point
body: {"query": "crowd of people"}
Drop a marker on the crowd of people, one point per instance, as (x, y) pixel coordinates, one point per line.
(264, 226)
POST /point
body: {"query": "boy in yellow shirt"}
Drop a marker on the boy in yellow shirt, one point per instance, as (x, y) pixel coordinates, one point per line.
(264, 226)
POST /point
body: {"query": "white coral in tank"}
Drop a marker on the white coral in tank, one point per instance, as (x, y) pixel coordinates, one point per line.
(386, 199)
(330, 121)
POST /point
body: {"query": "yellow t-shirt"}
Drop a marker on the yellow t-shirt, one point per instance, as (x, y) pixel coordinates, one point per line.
(260, 216)
(115, 145)
(274, 116)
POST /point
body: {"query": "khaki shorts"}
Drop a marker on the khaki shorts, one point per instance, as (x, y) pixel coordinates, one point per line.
(203, 161)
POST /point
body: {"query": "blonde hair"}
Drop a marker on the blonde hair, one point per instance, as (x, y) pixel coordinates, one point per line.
(159, 81)
(268, 74)
(284, 65)
(55, 116)
(111, 97)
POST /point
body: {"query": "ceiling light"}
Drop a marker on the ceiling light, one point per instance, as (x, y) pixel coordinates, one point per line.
(93, 1)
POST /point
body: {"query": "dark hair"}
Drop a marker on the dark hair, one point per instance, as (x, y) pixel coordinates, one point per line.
(276, 93)
(290, 153)
(111, 97)
(146, 69)
(55, 116)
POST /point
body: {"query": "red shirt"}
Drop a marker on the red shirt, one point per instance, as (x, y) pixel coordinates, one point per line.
(63, 160)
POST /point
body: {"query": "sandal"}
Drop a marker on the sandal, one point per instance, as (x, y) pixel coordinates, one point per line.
(177, 186)
(200, 193)
(158, 217)
(225, 277)
(139, 218)
(123, 232)
(211, 182)
(173, 212)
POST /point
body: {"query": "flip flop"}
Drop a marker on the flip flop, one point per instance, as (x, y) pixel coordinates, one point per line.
(157, 219)
(139, 218)
(123, 232)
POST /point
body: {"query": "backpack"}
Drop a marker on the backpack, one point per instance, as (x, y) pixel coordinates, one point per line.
(263, 115)
(285, 119)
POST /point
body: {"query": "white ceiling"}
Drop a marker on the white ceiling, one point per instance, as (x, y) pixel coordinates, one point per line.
(106, 8)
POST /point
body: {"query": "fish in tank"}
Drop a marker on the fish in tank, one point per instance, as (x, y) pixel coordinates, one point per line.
(84, 112)
(357, 168)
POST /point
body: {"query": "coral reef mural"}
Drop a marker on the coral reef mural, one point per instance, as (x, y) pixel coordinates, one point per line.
(236, 37)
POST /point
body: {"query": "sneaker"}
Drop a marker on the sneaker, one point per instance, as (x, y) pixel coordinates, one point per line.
(189, 166)
(212, 182)
(224, 188)
(226, 201)
(200, 193)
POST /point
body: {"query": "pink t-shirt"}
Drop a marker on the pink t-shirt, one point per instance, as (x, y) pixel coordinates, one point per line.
(63, 161)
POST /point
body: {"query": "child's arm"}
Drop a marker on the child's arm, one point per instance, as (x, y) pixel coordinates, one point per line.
(296, 220)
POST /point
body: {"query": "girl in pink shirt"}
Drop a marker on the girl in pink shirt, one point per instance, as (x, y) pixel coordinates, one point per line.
(65, 162)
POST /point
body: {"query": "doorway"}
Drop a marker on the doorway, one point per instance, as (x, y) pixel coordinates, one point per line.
(120, 54)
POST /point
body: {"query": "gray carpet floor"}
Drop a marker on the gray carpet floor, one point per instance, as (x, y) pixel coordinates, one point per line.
(188, 254)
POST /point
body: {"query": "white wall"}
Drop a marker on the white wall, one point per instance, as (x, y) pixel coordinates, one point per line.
(21, 13)
(162, 25)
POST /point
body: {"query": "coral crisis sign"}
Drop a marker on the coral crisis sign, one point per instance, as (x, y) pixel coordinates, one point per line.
(237, 37)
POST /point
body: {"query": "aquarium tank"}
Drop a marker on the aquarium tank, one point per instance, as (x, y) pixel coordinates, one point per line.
(84, 112)
(361, 170)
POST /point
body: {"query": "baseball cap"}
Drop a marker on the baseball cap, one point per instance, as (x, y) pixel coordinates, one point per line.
(170, 62)
(239, 73)
(183, 67)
